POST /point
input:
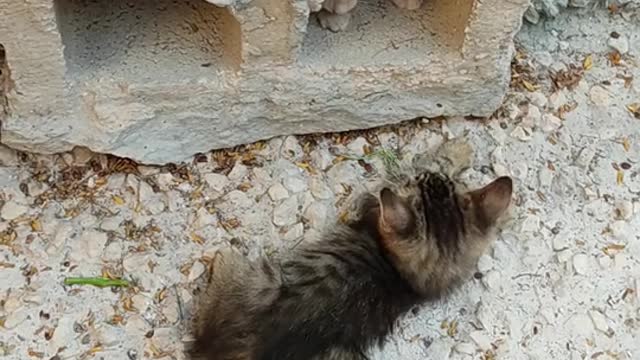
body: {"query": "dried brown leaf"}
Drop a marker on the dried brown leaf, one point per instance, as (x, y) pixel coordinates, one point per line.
(587, 64)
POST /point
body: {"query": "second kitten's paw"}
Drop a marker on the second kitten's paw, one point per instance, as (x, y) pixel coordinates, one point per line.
(408, 4)
(334, 22)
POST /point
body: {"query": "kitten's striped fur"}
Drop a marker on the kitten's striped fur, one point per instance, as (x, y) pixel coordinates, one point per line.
(333, 299)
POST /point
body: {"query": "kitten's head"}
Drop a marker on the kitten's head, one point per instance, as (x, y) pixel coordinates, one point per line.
(434, 232)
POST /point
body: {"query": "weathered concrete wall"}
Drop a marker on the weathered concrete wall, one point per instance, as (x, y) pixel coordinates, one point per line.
(158, 80)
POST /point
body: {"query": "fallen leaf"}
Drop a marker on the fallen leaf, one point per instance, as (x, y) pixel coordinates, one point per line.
(626, 144)
(529, 86)
(587, 64)
(613, 249)
(36, 226)
(619, 177)
(197, 238)
(615, 58)
(117, 200)
(634, 109)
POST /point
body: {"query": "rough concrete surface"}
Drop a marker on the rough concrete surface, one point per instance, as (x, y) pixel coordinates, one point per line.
(159, 81)
(561, 282)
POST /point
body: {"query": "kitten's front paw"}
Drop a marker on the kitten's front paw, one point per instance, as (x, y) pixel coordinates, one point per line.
(334, 22)
(408, 4)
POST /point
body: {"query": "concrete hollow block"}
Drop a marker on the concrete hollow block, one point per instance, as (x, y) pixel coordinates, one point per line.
(160, 80)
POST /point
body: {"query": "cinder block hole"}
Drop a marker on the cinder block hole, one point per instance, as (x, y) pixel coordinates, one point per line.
(379, 33)
(163, 41)
(4, 79)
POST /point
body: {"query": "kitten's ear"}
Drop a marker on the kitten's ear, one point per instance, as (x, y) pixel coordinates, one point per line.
(395, 214)
(492, 200)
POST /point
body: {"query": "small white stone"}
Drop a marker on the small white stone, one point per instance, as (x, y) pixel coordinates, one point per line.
(321, 158)
(238, 172)
(605, 262)
(216, 182)
(136, 263)
(538, 99)
(81, 155)
(171, 309)
(111, 223)
(89, 246)
(277, 192)
(16, 318)
(356, 147)
(560, 242)
(585, 157)
(140, 302)
(600, 321)
(481, 339)
(530, 224)
(319, 189)
(151, 201)
(295, 184)
(440, 348)
(557, 99)
(581, 264)
(624, 209)
(294, 233)
(550, 123)
(113, 252)
(465, 348)
(316, 214)
(521, 134)
(620, 230)
(165, 181)
(485, 263)
(12, 210)
(291, 148)
(519, 170)
(620, 44)
(492, 280)
(286, 213)
(532, 118)
(599, 96)
(136, 325)
(197, 269)
(63, 335)
(564, 255)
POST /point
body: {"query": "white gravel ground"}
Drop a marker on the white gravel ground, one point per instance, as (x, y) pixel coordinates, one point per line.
(561, 282)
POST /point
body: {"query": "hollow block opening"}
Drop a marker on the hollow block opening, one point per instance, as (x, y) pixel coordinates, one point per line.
(5, 81)
(161, 41)
(379, 33)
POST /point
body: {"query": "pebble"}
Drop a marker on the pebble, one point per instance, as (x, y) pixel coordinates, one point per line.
(485, 263)
(197, 269)
(531, 224)
(585, 156)
(581, 325)
(277, 192)
(620, 230)
(600, 321)
(620, 44)
(560, 243)
(319, 189)
(111, 223)
(89, 246)
(521, 134)
(15, 318)
(605, 262)
(12, 210)
(64, 333)
(321, 158)
(152, 202)
(316, 214)
(294, 233)
(291, 148)
(136, 325)
(624, 209)
(357, 146)
(481, 339)
(113, 252)
(217, 182)
(465, 348)
(166, 180)
(286, 213)
(557, 99)
(440, 348)
(532, 118)
(492, 280)
(550, 123)
(564, 255)
(238, 172)
(81, 155)
(581, 264)
(295, 183)
(599, 96)
(538, 99)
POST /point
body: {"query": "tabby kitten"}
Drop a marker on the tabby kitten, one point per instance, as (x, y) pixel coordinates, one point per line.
(335, 298)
